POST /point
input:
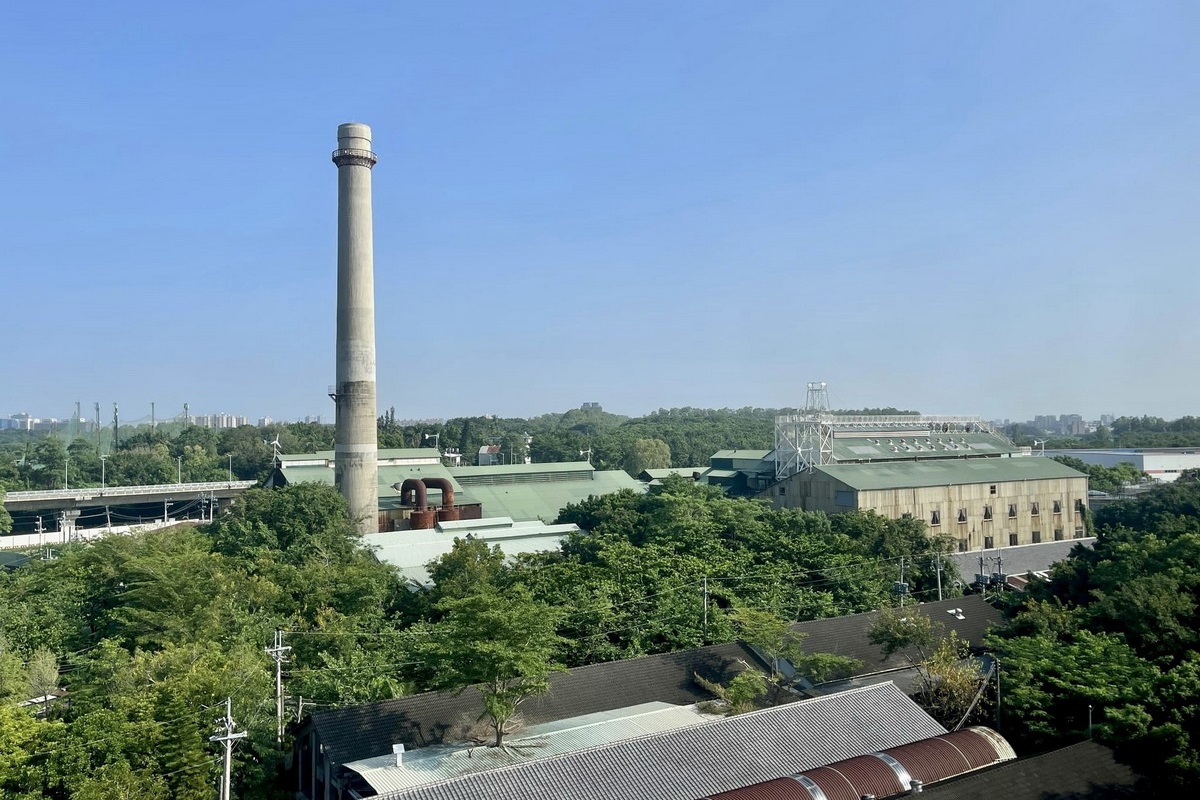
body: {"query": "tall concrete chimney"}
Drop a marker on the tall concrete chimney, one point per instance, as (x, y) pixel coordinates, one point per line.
(355, 434)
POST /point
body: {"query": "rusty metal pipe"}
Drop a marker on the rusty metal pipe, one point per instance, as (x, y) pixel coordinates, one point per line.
(446, 487)
(406, 490)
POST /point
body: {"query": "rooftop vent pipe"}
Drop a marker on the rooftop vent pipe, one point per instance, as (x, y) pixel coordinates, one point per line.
(406, 490)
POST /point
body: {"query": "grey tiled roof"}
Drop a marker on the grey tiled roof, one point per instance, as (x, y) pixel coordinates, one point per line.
(847, 636)
(709, 758)
(1084, 771)
(356, 732)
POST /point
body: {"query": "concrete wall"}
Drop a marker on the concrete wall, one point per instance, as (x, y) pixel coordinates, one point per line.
(819, 492)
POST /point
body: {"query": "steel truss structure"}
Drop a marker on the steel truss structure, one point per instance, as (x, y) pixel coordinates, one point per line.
(804, 441)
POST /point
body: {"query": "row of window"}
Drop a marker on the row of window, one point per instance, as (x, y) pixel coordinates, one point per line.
(989, 542)
(1035, 510)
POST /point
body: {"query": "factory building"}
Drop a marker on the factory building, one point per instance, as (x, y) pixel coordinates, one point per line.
(522, 492)
(963, 478)
(1163, 464)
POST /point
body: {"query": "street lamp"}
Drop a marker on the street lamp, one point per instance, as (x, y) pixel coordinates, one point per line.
(231, 467)
(435, 437)
(66, 464)
(179, 469)
(102, 473)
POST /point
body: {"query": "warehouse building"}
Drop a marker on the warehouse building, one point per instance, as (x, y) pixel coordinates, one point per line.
(522, 492)
(1163, 464)
(963, 478)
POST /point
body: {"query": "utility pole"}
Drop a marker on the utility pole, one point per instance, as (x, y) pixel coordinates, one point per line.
(96, 405)
(226, 735)
(279, 653)
(938, 566)
(116, 427)
(706, 607)
(900, 587)
(153, 422)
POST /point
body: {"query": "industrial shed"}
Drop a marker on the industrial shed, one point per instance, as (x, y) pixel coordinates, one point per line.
(521, 491)
(709, 758)
(981, 503)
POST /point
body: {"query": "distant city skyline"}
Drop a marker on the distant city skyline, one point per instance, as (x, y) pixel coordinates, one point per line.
(958, 208)
(223, 420)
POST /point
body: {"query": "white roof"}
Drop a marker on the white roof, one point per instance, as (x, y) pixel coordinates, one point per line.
(411, 550)
(440, 762)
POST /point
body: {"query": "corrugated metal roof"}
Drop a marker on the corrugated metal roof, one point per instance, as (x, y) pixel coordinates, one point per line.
(945, 472)
(904, 445)
(706, 759)
(411, 550)
(510, 490)
(889, 772)
(434, 764)
(544, 501)
(360, 731)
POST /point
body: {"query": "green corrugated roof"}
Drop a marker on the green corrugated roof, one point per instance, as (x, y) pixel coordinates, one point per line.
(944, 472)
(393, 452)
(387, 476)
(527, 499)
(521, 469)
(543, 500)
(720, 473)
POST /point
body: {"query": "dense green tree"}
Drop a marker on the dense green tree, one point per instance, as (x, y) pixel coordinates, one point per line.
(647, 454)
(503, 644)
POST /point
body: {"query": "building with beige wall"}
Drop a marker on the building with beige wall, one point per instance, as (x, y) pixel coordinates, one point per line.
(983, 502)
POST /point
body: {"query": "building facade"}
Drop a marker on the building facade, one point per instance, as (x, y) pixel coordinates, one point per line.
(983, 503)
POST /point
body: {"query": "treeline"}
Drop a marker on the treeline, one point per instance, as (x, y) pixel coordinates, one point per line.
(150, 633)
(146, 455)
(1105, 479)
(677, 437)
(1109, 647)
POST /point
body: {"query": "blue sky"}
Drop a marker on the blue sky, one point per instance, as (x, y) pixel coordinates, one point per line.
(981, 208)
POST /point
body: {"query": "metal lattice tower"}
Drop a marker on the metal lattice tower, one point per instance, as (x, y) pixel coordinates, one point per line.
(804, 441)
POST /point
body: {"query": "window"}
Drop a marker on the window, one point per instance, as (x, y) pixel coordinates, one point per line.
(1058, 534)
(992, 489)
(783, 490)
(962, 545)
(962, 515)
(987, 543)
(906, 515)
(1033, 510)
(843, 498)
(1078, 505)
(1012, 510)
(1057, 506)
(935, 518)
(1012, 540)
(1078, 531)
(987, 512)
(1037, 537)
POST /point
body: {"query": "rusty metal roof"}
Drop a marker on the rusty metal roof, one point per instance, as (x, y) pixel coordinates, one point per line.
(888, 772)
